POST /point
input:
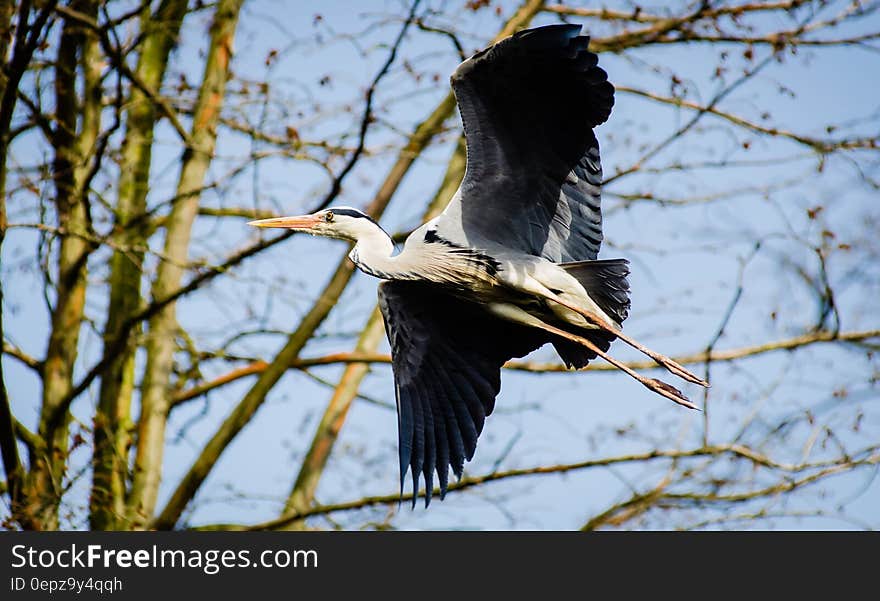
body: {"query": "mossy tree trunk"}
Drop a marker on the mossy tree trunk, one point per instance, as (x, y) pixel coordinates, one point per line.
(112, 423)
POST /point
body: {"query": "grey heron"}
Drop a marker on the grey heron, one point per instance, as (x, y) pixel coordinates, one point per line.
(511, 264)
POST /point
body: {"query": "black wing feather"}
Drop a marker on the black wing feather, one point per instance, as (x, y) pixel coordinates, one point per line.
(417, 458)
(528, 105)
(405, 423)
(456, 446)
(438, 400)
(447, 355)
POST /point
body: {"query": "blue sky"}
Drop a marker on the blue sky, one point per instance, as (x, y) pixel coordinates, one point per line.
(686, 262)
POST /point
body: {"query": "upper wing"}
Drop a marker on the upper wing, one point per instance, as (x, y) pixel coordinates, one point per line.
(528, 105)
(446, 355)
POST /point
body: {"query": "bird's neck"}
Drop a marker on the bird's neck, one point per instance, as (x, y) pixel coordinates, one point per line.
(373, 254)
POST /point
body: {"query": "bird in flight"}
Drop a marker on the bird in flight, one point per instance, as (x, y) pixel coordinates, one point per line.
(511, 264)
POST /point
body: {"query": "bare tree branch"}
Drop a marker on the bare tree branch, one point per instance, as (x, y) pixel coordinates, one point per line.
(366, 357)
(866, 456)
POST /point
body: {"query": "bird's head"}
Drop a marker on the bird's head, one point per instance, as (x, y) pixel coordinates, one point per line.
(344, 223)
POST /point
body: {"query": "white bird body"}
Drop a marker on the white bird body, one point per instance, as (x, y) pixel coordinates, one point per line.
(467, 273)
(476, 270)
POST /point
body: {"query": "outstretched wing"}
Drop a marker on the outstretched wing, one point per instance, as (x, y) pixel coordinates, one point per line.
(446, 355)
(528, 105)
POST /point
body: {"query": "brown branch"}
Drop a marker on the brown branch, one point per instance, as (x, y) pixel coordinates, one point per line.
(636, 505)
(32, 440)
(40, 119)
(640, 16)
(776, 40)
(27, 38)
(242, 212)
(13, 351)
(680, 29)
(868, 456)
(283, 141)
(629, 199)
(822, 146)
(641, 502)
(678, 133)
(787, 344)
(646, 35)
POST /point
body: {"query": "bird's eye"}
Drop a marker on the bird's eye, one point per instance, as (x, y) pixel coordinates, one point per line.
(328, 216)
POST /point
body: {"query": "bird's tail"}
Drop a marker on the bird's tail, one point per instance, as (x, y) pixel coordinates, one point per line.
(577, 356)
(605, 281)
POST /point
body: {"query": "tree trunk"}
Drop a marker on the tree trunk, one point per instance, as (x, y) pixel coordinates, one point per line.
(47, 470)
(160, 343)
(12, 466)
(113, 417)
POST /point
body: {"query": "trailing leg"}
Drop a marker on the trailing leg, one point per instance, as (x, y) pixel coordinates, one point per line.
(594, 319)
(516, 314)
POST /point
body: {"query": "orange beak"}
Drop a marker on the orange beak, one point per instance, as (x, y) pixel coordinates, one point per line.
(301, 222)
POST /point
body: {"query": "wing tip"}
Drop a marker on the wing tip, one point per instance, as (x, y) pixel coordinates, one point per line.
(415, 494)
(570, 29)
(540, 36)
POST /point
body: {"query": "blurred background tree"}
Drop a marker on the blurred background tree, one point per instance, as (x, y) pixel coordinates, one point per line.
(165, 366)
